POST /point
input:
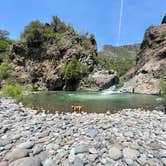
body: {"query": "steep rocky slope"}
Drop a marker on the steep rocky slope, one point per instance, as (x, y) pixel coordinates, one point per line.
(54, 56)
(45, 49)
(150, 63)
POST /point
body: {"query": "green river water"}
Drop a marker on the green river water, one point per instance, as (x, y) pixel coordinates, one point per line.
(98, 102)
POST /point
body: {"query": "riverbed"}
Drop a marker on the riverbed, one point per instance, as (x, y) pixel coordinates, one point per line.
(129, 137)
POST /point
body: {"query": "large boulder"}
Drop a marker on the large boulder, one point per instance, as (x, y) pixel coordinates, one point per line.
(27, 161)
(99, 80)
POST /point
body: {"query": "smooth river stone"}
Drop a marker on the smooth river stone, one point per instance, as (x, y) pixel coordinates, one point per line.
(92, 132)
(115, 153)
(81, 149)
(37, 149)
(163, 161)
(28, 161)
(130, 153)
(26, 145)
(78, 162)
(4, 163)
(17, 154)
(49, 162)
(162, 153)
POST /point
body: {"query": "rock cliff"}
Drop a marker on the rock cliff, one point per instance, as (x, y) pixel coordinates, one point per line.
(43, 51)
(150, 63)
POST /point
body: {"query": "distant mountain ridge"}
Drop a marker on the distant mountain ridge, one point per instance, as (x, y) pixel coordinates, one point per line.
(133, 47)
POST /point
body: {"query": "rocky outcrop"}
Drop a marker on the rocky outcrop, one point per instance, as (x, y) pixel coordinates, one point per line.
(151, 63)
(99, 80)
(164, 20)
(39, 61)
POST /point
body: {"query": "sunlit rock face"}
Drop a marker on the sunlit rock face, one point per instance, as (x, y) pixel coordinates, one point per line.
(99, 80)
(39, 62)
(151, 63)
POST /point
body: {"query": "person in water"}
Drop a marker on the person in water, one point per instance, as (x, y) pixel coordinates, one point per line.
(133, 90)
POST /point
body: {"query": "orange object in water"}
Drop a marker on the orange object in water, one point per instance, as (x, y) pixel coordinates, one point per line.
(76, 107)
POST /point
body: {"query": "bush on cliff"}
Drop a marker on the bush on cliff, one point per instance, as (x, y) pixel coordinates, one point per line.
(5, 71)
(33, 32)
(163, 92)
(103, 61)
(37, 31)
(4, 34)
(74, 70)
(40, 32)
(4, 46)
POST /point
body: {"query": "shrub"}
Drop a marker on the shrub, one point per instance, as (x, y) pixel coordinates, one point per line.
(49, 32)
(103, 61)
(60, 26)
(163, 92)
(14, 91)
(121, 83)
(121, 67)
(4, 34)
(5, 71)
(87, 44)
(3, 46)
(74, 70)
(33, 32)
(88, 40)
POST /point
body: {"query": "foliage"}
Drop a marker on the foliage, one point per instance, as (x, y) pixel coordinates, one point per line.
(33, 32)
(121, 83)
(121, 67)
(60, 26)
(4, 34)
(37, 31)
(49, 32)
(5, 71)
(13, 90)
(16, 91)
(118, 59)
(38, 34)
(73, 70)
(104, 61)
(88, 40)
(163, 92)
(3, 46)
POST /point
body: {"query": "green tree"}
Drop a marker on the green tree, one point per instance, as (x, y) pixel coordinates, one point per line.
(55, 23)
(3, 46)
(33, 32)
(4, 34)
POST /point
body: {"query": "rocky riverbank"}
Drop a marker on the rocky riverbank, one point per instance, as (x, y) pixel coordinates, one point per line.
(130, 137)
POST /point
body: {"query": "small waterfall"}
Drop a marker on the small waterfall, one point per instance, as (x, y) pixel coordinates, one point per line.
(110, 90)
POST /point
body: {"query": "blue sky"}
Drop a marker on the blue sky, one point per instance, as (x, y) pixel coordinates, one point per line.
(100, 17)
